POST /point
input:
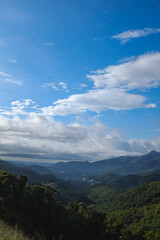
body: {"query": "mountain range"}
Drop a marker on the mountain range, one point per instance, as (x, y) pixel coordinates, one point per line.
(78, 170)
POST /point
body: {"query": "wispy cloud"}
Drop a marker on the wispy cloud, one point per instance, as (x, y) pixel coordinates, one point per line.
(56, 86)
(49, 43)
(63, 85)
(83, 85)
(12, 60)
(52, 85)
(137, 33)
(8, 78)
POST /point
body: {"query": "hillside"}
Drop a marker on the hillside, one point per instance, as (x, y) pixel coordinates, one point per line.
(128, 181)
(35, 210)
(33, 176)
(63, 190)
(64, 195)
(138, 208)
(105, 188)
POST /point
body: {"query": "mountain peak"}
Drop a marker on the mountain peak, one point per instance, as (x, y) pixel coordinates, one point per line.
(153, 153)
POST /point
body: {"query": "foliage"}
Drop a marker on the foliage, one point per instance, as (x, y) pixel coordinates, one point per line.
(138, 209)
(64, 195)
(35, 210)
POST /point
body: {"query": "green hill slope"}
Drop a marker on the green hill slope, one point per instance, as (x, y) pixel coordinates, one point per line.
(63, 192)
(138, 209)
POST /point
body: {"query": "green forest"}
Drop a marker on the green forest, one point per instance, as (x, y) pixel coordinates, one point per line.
(36, 205)
(35, 211)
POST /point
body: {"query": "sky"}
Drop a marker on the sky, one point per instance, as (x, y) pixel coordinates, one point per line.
(79, 80)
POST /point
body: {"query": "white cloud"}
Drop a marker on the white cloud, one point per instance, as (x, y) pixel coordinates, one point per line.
(37, 135)
(83, 85)
(49, 43)
(19, 107)
(26, 102)
(52, 85)
(4, 74)
(112, 88)
(63, 85)
(43, 137)
(97, 100)
(127, 59)
(137, 33)
(8, 78)
(17, 82)
(140, 73)
(12, 60)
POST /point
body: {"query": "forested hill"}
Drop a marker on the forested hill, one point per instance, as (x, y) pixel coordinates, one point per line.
(138, 209)
(63, 194)
(33, 176)
(35, 210)
(127, 181)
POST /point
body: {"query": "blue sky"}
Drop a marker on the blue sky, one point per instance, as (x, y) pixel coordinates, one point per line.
(79, 80)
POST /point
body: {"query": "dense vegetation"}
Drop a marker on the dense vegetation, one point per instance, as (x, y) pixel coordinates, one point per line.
(35, 210)
(138, 209)
(107, 206)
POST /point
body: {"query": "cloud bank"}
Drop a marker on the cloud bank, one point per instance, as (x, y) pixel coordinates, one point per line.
(44, 138)
(26, 130)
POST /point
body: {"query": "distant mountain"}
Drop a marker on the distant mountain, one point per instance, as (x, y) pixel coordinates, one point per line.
(32, 176)
(77, 171)
(40, 169)
(120, 165)
(63, 191)
(128, 181)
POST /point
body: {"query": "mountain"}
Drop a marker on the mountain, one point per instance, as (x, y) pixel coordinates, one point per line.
(63, 190)
(146, 194)
(33, 176)
(138, 209)
(77, 171)
(105, 188)
(124, 165)
(40, 169)
(128, 181)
